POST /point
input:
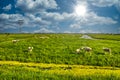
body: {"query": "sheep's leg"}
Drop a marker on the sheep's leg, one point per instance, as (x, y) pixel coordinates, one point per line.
(110, 53)
(90, 53)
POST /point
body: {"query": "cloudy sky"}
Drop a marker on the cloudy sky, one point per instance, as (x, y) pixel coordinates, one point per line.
(60, 16)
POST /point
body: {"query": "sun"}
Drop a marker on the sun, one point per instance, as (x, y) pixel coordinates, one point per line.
(80, 10)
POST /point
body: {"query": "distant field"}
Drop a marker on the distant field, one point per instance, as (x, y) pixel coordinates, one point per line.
(59, 49)
(106, 36)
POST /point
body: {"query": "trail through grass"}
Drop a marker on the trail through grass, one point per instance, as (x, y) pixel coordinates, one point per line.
(55, 71)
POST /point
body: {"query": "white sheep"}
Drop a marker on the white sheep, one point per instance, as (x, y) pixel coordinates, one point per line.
(87, 49)
(107, 50)
(30, 49)
(44, 37)
(15, 41)
(77, 51)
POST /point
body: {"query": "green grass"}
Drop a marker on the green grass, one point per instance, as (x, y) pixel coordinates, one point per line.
(106, 36)
(58, 50)
(12, 70)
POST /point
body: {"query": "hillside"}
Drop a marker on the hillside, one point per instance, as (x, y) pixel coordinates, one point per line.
(55, 55)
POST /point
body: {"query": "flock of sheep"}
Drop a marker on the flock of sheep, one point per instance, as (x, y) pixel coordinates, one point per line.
(29, 48)
(86, 49)
(89, 49)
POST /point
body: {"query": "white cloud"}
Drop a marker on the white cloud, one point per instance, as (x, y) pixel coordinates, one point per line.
(9, 20)
(50, 20)
(99, 3)
(118, 6)
(32, 19)
(89, 31)
(68, 32)
(36, 15)
(92, 19)
(44, 30)
(103, 3)
(55, 16)
(7, 8)
(4, 17)
(35, 6)
(82, 31)
(52, 16)
(75, 26)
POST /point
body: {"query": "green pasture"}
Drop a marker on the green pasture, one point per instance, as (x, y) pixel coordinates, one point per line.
(59, 49)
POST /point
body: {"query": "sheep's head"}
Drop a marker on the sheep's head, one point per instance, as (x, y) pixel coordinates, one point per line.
(77, 50)
(30, 48)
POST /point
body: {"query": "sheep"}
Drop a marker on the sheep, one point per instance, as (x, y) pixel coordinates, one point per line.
(15, 41)
(44, 37)
(30, 49)
(78, 51)
(87, 49)
(107, 50)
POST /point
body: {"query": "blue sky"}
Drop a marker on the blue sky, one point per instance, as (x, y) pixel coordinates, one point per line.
(60, 16)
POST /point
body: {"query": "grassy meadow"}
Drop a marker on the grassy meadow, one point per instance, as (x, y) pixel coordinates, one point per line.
(54, 57)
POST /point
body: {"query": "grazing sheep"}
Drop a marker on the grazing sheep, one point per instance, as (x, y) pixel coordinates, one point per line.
(87, 49)
(30, 49)
(77, 51)
(107, 50)
(44, 37)
(15, 41)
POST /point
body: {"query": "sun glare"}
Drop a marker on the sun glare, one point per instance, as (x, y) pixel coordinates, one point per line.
(80, 10)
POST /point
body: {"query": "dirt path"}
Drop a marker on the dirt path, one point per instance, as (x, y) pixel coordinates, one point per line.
(86, 37)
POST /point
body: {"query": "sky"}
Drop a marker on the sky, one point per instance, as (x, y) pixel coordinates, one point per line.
(60, 16)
